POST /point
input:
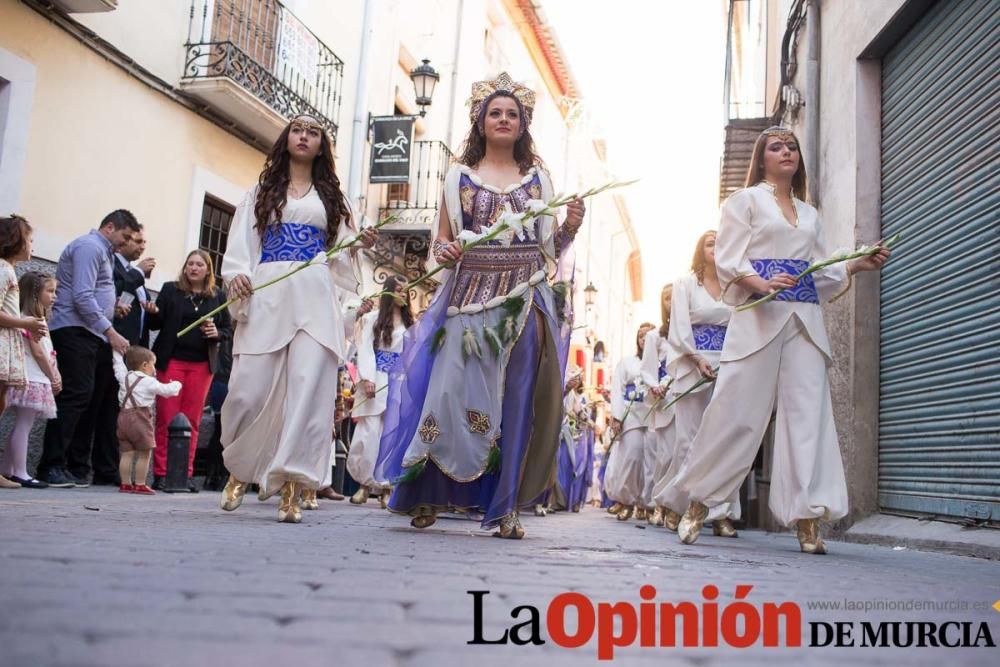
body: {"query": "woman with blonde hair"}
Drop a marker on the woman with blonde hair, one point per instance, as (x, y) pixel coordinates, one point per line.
(190, 359)
(775, 355)
(697, 330)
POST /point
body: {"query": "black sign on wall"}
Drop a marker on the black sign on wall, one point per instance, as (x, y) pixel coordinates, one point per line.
(391, 140)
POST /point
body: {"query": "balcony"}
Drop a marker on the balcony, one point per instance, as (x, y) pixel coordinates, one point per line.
(86, 6)
(402, 251)
(416, 202)
(741, 133)
(257, 64)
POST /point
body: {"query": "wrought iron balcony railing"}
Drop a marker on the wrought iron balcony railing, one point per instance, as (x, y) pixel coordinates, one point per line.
(416, 203)
(265, 49)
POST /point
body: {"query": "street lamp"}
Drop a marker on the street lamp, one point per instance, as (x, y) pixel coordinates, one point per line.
(589, 292)
(424, 79)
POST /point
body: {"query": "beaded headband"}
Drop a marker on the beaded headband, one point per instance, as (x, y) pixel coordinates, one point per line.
(306, 122)
(780, 132)
(484, 91)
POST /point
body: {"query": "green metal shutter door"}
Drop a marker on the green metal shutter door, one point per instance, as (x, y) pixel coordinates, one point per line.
(939, 404)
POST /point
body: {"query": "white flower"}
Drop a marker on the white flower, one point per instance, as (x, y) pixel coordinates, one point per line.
(467, 236)
(512, 221)
(529, 226)
(535, 206)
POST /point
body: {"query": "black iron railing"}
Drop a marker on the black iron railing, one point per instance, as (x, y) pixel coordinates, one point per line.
(264, 48)
(416, 203)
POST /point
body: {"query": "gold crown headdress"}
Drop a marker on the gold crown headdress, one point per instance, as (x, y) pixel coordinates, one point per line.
(483, 91)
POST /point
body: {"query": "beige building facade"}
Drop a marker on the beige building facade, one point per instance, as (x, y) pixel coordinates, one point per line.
(168, 108)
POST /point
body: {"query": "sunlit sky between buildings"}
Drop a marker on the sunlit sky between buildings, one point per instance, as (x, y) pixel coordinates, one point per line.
(651, 74)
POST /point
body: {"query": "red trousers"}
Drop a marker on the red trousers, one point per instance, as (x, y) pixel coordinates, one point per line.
(196, 379)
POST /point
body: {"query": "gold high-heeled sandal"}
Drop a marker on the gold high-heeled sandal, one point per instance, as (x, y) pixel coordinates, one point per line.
(809, 540)
(671, 519)
(360, 496)
(289, 510)
(625, 514)
(616, 508)
(724, 528)
(691, 523)
(426, 518)
(655, 517)
(640, 513)
(232, 494)
(510, 527)
(309, 501)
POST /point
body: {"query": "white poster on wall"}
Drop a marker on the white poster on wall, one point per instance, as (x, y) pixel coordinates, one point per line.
(298, 56)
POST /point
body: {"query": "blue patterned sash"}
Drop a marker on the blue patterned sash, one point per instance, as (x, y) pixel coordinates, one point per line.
(291, 242)
(631, 394)
(384, 361)
(803, 292)
(662, 371)
(709, 337)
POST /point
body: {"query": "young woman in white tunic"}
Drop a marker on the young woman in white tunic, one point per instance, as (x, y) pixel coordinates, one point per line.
(660, 421)
(625, 477)
(775, 356)
(279, 414)
(380, 342)
(698, 324)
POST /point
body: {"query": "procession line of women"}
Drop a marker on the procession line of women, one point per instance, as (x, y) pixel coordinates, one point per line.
(467, 410)
(772, 358)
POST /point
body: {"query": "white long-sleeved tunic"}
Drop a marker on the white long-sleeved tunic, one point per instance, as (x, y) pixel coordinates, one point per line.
(627, 384)
(753, 228)
(695, 321)
(654, 374)
(310, 300)
(375, 361)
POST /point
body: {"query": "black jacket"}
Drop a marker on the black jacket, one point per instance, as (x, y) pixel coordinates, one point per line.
(131, 326)
(168, 321)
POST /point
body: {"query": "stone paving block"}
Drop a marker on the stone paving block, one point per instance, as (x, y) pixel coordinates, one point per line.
(358, 584)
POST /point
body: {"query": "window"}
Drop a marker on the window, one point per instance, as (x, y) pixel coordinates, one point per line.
(216, 216)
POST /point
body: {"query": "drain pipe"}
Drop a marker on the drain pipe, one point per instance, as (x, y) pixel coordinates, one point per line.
(453, 96)
(359, 130)
(812, 99)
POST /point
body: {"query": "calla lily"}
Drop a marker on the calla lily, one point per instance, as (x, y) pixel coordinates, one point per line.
(468, 236)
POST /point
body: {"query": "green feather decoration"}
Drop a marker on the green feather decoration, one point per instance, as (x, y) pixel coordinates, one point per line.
(513, 305)
(470, 344)
(493, 338)
(438, 342)
(508, 329)
(412, 473)
(493, 460)
(560, 292)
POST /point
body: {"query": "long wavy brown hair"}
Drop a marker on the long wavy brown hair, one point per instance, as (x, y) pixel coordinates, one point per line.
(474, 148)
(755, 174)
(386, 305)
(272, 193)
(698, 262)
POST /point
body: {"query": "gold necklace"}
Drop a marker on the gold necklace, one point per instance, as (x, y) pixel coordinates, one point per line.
(795, 209)
(195, 305)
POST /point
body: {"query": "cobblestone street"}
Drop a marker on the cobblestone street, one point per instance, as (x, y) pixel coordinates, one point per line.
(91, 577)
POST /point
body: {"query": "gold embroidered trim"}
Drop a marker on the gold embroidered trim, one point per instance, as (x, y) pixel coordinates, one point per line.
(479, 422)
